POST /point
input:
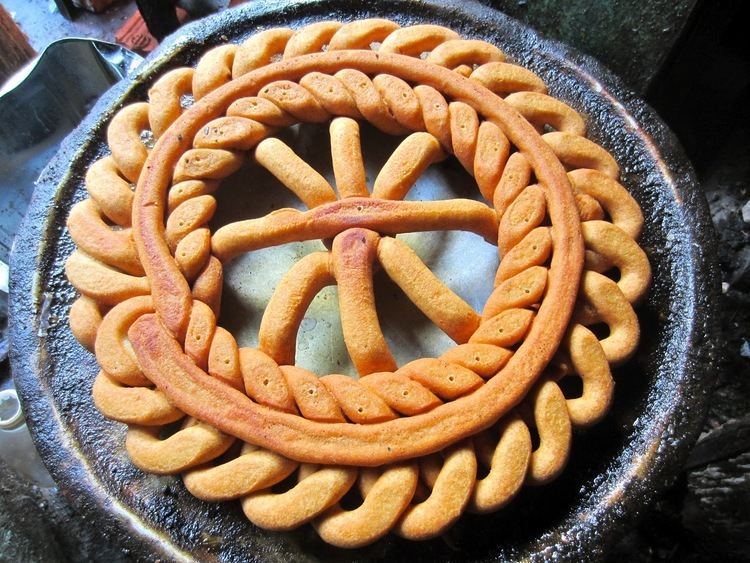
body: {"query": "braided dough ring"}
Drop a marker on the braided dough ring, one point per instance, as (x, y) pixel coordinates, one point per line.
(393, 418)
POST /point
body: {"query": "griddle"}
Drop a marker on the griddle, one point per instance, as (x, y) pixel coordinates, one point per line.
(616, 468)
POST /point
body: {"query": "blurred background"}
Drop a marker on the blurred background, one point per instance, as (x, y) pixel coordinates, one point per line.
(689, 59)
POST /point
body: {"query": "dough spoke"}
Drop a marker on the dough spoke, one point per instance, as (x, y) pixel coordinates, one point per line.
(301, 178)
(346, 153)
(353, 253)
(442, 306)
(328, 220)
(277, 336)
(407, 163)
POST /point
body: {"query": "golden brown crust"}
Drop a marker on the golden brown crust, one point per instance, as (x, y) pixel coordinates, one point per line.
(110, 192)
(392, 414)
(325, 221)
(85, 317)
(196, 393)
(254, 470)
(352, 256)
(124, 139)
(346, 153)
(405, 165)
(441, 305)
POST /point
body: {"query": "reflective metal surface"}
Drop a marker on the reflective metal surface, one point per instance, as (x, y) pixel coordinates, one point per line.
(39, 106)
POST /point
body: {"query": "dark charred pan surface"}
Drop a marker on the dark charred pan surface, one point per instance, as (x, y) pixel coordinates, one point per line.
(616, 468)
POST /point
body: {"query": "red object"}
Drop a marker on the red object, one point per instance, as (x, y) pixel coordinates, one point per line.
(134, 34)
(14, 46)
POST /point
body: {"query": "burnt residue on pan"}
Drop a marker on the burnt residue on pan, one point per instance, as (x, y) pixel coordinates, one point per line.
(616, 468)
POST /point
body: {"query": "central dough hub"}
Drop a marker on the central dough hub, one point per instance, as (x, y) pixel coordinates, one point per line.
(330, 219)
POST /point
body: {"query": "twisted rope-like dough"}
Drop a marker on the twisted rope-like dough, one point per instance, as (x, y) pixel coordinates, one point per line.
(108, 274)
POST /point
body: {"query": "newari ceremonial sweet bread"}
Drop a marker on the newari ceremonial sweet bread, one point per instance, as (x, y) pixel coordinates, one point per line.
(418, 443)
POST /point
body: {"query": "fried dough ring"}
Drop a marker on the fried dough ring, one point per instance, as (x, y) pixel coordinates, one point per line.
(353, 84)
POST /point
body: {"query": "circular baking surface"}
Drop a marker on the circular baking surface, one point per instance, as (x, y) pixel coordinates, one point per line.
(616, 467)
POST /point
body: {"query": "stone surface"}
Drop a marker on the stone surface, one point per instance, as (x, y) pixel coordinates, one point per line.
(631, 37)
(38, 525)
(26, 533)
(704, 517)
(716, 510)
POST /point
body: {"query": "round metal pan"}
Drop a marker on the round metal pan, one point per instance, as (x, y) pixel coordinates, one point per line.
(616, 468)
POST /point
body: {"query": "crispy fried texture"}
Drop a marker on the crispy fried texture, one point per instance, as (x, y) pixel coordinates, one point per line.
(426, 428)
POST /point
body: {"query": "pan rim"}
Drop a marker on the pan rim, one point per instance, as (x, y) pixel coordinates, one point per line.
(673, 432)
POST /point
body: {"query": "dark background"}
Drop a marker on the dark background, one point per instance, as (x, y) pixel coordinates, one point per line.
(691, 61)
